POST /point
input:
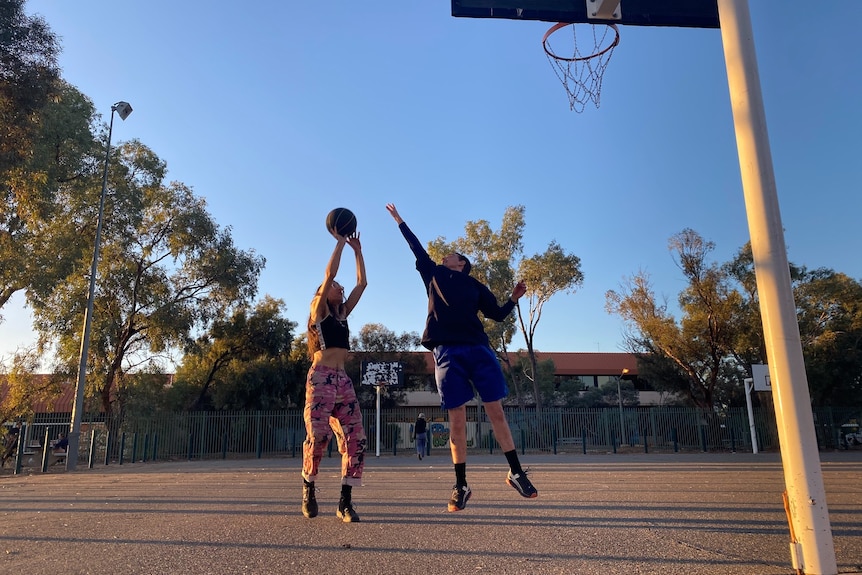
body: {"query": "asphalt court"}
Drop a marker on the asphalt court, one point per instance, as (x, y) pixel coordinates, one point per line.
(688, 514)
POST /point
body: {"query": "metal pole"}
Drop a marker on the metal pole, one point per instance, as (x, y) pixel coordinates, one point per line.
(620, 397)
(78, 405)
(813, 548)
(749, 384)
(378, 419)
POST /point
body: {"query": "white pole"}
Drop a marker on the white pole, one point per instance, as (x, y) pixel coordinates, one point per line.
(749, 384)
(379, 387)
(809, 516)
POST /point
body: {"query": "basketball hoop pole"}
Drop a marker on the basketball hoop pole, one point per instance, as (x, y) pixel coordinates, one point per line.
(379, 387)
(812, 550)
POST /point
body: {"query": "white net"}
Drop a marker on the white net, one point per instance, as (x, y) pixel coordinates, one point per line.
(580, 60)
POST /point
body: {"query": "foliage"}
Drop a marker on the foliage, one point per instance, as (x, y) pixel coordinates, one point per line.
(28, 72)
(495, 257)
(166, 269)
(698, 346)
(241, 362)
(21, 388)
(377, 343)
(705, 355)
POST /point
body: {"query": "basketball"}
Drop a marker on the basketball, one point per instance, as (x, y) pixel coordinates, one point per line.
(341, 221)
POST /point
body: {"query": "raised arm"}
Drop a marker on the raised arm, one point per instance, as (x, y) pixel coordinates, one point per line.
(361, 281)
(424, 263)
(318, 304)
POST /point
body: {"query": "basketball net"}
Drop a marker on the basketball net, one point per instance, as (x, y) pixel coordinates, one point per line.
(581, 73)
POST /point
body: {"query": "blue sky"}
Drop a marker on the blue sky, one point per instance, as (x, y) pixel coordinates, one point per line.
(276, 112)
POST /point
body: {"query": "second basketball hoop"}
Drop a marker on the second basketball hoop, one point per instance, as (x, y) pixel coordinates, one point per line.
(580, 64)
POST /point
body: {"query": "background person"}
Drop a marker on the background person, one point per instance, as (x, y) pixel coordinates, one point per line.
(420, 435)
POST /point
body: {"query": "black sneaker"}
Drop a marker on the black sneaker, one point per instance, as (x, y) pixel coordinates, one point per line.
(309, 501)
(521, 484)
(460, 497)
(346, 512)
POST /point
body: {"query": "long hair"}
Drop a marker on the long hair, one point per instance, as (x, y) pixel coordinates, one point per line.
(313, 336)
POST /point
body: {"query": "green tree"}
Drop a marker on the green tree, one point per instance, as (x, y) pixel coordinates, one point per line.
(829, 307)
(23, 387)
(375, 342)
(166, 270)
(37, 246)
(700, 345)
(496, 255)
(545, 274)
(28, 72)
(239, 362)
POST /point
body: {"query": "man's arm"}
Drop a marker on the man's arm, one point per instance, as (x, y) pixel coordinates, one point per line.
(492, 310)
(424, 263)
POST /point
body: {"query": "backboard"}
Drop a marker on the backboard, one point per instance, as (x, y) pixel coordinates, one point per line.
(680, 13)
(760, 374)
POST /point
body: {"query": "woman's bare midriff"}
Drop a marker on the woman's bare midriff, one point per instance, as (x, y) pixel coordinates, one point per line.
(333, 357)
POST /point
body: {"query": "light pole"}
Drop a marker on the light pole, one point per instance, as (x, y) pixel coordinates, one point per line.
(123, 109)
(620, 398)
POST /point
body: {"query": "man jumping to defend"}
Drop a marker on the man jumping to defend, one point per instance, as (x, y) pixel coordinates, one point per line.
(462, 355)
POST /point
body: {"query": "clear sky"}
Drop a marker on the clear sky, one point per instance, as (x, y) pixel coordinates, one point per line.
(276, 112)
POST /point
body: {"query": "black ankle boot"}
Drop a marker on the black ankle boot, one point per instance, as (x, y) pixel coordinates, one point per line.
(346, 512)
(309, 501)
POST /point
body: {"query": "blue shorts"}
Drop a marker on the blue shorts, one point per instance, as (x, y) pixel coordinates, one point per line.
(456, 367)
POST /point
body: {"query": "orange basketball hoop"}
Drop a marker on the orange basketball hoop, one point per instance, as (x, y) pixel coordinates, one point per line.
(581, 73)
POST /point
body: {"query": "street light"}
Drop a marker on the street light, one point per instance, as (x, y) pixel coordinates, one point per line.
(620, 398)
(123, 109)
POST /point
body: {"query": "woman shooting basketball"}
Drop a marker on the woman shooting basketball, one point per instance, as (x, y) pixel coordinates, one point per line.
(330, 400)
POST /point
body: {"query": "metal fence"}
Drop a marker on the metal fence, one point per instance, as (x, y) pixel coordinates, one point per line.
(214, 435)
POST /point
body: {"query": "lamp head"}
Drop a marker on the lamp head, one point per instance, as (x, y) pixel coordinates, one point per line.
(123, 109)
(625, 371)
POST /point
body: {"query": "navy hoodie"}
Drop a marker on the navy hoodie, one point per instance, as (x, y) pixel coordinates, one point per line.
(454, 300)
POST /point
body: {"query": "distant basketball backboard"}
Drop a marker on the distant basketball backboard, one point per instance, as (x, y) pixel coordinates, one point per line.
(680, 13)
(760, 375)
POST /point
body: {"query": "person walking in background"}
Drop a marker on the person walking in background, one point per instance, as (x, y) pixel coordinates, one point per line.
(330, 400)
(10, 443)
(420, 435)
(463, 358)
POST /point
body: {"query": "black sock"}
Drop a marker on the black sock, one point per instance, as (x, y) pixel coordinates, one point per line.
(346, 493)
(460, 474)
(514, 464)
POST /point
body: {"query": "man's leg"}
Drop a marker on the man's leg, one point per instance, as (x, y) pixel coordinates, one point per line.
(458, 446)
(458, 434)
(500, 425)
(516, 478)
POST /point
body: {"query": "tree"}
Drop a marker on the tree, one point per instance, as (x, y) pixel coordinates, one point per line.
(376, 342)
(23, 388)
(700, 345)
(545, 275)
(166, 270)
(495, 257)
(37, 247)
(829, 307)
(238, 363)
(28, 72)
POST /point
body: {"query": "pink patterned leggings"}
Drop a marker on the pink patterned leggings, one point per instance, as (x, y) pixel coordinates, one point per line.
(331, 407)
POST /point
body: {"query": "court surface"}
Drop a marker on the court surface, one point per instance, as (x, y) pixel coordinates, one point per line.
(686, 514)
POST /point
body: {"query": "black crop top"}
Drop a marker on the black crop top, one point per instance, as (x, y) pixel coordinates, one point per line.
(333, 333)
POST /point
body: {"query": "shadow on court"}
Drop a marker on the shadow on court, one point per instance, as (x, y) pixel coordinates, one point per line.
(686, 514)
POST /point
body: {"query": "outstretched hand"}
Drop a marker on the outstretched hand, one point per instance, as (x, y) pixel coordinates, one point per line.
(353, 242)
(520, 289)
(394, 213)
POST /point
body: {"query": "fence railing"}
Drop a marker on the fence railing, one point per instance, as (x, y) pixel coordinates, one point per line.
(214, 435)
